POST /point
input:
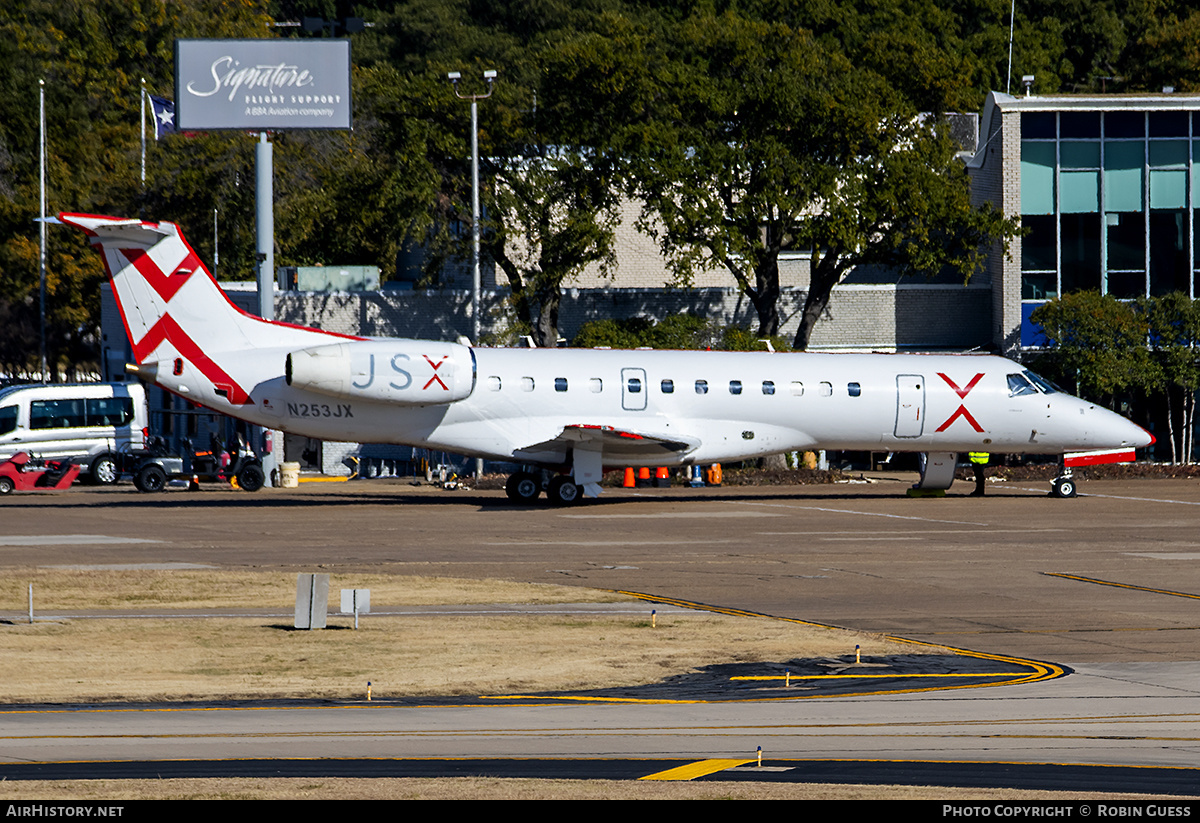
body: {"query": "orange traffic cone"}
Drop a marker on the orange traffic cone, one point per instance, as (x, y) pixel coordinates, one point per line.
(629, 481)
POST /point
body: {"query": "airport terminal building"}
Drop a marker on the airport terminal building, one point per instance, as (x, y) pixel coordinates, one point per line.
(1105, 188)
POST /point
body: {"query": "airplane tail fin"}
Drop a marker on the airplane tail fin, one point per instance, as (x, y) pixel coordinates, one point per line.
(173, 309)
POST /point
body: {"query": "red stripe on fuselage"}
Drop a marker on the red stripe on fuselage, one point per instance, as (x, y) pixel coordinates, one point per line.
(167, 329)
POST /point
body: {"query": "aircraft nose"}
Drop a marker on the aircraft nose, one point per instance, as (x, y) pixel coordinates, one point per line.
(1118, 432)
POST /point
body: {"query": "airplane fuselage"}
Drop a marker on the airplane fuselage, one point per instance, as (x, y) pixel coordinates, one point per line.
(570, 410)
(725, 405)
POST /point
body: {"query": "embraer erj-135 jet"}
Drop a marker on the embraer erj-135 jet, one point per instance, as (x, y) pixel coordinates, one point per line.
(567, 415)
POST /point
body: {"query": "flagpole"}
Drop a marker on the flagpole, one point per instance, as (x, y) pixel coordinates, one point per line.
(143, 132)
(42, 186)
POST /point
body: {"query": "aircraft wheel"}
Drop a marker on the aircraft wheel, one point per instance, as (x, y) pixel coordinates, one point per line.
(7, 485)
(522, 487)
(151, 478)
(251, 477)
(1064, 487)
(104, 470)
(564, 492)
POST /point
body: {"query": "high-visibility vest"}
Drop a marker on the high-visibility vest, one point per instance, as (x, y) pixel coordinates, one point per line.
(979, 458)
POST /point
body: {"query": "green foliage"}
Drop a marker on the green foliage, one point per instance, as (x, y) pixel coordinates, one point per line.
(1101, 341)
(739, 122)
(747, 137)
(679, 332)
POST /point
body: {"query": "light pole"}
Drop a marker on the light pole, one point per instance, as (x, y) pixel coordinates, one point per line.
(490, 77)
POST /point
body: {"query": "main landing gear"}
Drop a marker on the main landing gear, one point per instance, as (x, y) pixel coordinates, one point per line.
(525, 486)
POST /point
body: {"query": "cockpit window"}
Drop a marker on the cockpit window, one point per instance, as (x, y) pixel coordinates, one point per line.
(1042, 383)
(1018, 386)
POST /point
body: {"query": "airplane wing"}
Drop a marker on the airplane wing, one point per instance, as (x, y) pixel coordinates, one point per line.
(616, 444)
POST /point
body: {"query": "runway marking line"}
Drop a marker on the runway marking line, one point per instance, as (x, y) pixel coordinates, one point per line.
(1115, 585)
(862, 513)
(699, 769)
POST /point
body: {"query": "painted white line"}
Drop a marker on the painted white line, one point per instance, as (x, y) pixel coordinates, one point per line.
(665, 515)
(933, 532)
(125, 567)
(552, 542)
(865, 514)
(1166, 555)
(865, 537)
(1121, 497)
(1144, 499)
(68, 540)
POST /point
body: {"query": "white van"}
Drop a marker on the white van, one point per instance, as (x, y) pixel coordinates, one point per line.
(87, 423)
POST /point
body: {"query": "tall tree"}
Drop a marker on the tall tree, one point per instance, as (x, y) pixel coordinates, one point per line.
(758, 138)
(1099, 342)
(1173, 323)
(92, 55)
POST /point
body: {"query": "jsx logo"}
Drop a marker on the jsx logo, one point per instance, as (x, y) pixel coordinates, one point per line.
(961, 411)
(435, 377)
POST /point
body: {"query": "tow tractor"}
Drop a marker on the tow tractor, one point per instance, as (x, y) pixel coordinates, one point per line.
(154, 466)
(23, 472)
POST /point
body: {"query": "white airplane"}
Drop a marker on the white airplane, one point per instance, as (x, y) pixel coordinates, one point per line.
(567, 415)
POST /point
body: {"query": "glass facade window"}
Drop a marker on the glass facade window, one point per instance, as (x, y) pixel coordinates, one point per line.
(1107, 202)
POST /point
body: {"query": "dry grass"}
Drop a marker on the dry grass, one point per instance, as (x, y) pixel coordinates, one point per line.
(95, 660)
(146, 659)
(60, 589)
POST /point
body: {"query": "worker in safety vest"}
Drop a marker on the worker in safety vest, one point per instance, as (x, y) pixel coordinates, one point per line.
(979, 461)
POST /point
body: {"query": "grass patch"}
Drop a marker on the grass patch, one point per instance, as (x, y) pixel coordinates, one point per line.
(221, 589)
(151, 659)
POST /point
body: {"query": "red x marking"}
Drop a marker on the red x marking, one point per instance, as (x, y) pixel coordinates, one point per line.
(167, 329)
(435, 375)
(961, 411)
(166, 285)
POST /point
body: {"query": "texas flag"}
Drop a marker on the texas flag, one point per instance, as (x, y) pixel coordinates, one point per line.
(164, 116)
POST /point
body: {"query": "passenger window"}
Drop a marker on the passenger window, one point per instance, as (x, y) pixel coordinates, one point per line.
(56, 414)
(854, 389)
(701, 387)
(526, 384)
(109, 411)
(596, 385)
(493, 383)
(735, 386)
(667, 386)
(634, 385)
(797, 388)
(560, 384)
(768, 387)
(8, 419)
(826, 389)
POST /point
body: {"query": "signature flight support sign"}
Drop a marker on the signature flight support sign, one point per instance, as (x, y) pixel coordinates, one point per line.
(262, 85)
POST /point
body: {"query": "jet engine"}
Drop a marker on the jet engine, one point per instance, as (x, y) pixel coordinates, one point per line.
(405, 372)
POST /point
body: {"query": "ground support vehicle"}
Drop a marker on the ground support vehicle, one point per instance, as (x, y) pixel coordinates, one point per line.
(153, 467)
(23, 472)
(87, 423)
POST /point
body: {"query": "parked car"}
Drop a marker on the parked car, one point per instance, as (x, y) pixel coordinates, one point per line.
(86, 423)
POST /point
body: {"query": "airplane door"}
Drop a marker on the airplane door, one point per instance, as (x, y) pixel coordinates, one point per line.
(633, 389)
(910, 405)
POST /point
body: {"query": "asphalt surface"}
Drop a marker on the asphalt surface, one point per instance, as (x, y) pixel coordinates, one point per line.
(1103, 585)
